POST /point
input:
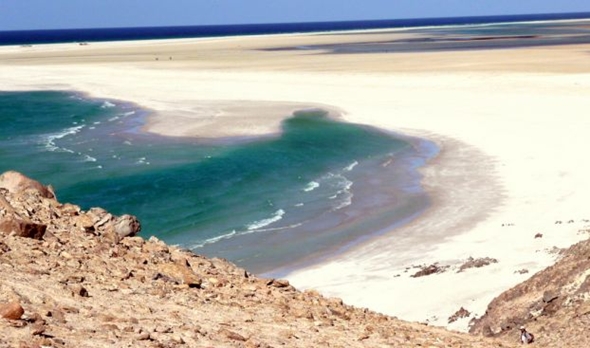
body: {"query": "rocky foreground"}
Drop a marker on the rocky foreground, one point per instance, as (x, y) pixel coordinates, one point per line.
(74, 278)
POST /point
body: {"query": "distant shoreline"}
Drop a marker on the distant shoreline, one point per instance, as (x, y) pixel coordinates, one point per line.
(85, 35)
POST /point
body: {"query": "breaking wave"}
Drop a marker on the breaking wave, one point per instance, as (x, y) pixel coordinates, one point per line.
(278, 215)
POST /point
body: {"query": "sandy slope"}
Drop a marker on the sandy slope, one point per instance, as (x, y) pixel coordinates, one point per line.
(511, 125)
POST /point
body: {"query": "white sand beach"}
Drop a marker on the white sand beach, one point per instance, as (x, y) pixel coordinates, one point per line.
(511, 125)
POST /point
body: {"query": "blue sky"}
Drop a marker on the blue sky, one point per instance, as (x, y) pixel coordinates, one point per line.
(60, 14)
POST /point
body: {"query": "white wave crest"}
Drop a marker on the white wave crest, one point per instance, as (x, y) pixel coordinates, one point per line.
(278, 215)
(351, 166)
(342, 197)
(214, 240)
(312, 185)
(88, 158)
(142, 160)
(107, 104)
(49, 140)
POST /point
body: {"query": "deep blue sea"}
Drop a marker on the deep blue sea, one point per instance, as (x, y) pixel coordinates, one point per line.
(268, 204)
(27, 37)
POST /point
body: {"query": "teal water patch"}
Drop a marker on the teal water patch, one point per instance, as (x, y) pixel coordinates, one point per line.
(318, 187)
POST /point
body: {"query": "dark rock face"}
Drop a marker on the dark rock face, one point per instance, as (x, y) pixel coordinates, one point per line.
(22, 228)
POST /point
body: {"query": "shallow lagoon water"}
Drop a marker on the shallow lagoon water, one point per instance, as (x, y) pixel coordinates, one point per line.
(268, 204)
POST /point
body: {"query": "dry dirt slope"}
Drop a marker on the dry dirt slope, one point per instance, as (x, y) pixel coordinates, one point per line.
(554, 304)
(73, 278)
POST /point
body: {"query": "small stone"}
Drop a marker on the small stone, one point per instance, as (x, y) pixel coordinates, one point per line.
(37, 329)
(143, 336)
(79, 290)
(179, 274)
(278, 283)
(11, 311)
(232, 335)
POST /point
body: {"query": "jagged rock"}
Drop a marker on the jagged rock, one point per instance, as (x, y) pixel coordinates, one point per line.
(428, 270)
(4, 205)
(85, 221)
(70, 209)
(12, 311)
(232, 335)
(37, 329)
(22, 228)
(476, 263)
(179, 274)
(16, 183)
(461, 313)
(549, 296)
(127, 226)
(4, 248)
(278, 283)
(103, 220)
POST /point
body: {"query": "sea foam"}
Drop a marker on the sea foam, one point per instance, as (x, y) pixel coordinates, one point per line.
(49, 140)
(107, 104)
(312, 185)
(278, 215)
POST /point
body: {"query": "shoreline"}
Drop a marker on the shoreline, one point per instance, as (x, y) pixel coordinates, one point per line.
(424, 151)
(493, 112)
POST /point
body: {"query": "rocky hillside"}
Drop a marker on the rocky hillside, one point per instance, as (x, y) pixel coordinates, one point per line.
(73, 278)
(554, 304)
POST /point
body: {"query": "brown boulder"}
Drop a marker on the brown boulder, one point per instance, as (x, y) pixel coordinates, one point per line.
(22, 228)
(127, 226)
(12, 311)
(179, 274)
(16, 182)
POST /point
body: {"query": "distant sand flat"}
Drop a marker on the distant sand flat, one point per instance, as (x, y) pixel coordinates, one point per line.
(511, 123)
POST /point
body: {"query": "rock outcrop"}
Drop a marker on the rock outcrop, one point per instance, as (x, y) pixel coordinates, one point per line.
(16, 182)
(554, 304)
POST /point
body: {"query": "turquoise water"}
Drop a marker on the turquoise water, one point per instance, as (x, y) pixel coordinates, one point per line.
(267, 204)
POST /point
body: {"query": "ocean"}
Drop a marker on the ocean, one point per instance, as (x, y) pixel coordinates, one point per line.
(269, 204)
(29, 37)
